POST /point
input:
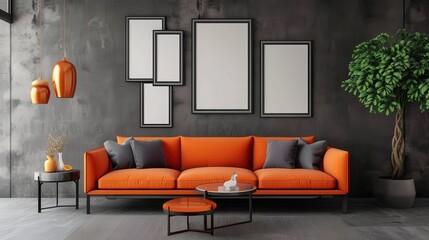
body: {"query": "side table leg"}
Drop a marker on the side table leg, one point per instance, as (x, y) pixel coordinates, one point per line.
(211, 223)
(39, 196)
(57, 194)
(168, 223)
(77, 194)
(250, 207)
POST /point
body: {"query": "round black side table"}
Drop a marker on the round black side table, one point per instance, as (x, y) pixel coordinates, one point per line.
(56, 177)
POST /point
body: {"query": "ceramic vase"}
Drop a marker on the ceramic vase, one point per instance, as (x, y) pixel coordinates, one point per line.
(60, 163)
(50, 164)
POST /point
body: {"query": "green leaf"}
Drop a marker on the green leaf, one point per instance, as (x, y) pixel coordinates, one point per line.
(378, 84)
(397, 74)
(423, 88)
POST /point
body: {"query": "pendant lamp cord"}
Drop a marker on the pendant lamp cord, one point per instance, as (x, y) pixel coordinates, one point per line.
(41, 36)
(64, 28)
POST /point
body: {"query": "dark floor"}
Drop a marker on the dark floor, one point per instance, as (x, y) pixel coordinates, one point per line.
(273, 219)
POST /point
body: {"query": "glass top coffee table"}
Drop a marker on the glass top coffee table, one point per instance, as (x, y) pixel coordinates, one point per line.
(218, 190)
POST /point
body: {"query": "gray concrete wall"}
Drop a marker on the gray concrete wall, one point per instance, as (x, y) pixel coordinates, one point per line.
(105, 105)
(4, 109)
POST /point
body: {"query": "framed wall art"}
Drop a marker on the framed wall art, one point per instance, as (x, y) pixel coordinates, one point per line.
(139, 47)
(168, 58)
(156, 106)
(286, 79)
(221, 66)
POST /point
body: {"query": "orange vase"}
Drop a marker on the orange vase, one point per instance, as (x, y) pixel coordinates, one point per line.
(40, 91)
(64, 79)
(50, 164)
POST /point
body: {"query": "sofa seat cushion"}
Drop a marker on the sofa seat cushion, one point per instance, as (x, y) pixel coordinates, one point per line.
(148, 178)
(283, 178)
(191, 178)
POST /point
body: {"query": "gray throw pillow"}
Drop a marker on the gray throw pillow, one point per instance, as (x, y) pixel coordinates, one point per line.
(148, 154)
(281, 154)
(310, 155)
(120, 155)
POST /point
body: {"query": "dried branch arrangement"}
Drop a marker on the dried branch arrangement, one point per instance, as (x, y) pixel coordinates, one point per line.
(56, 144)
(60, 142)
(50, 146)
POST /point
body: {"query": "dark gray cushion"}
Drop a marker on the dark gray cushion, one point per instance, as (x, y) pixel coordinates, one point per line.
(310, 155)
(120, 155)
(149, 154)
(281, 154)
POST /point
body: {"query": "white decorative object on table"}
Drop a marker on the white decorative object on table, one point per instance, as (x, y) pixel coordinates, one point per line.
(60, 163)
(232, 183)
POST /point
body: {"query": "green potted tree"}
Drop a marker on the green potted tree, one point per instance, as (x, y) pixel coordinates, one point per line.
(386, 73)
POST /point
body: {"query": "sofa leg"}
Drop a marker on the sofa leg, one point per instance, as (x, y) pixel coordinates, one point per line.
(88, 204)
(344, 205)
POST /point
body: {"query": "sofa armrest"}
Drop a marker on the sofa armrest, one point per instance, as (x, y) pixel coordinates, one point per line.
(96, 164)
(336, 164)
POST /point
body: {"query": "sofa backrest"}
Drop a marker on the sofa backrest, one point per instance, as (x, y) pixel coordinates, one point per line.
(216, 152)
(171, 148)
(260, 148)
(183, 153)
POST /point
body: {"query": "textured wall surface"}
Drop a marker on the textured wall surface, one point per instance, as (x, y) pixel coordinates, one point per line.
(4, 109)
(105, 105)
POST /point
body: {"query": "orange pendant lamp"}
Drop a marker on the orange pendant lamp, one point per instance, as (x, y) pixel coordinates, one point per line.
(40, 88)
(64, 73)
(64, 79)
(40, 91)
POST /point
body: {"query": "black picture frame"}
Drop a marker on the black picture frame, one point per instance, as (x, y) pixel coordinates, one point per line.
(157, 33)
(127, 47)
(7, 15)
(249, 108)
(142, 109)
(308, 113)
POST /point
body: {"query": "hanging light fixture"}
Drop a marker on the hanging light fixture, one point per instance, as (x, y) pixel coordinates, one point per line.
(40, 92)
(64, 72)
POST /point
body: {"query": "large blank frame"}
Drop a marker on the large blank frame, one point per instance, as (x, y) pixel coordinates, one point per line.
(156, 106)
(167, 58)
(286, 79)
(139, 47)
(221, 66)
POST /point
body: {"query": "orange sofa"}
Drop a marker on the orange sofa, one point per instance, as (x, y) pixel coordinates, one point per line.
(197, 160)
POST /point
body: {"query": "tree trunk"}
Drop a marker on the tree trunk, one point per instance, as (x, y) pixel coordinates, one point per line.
(398, 146)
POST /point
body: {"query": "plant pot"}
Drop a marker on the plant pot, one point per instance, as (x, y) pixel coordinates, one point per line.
(394, 193)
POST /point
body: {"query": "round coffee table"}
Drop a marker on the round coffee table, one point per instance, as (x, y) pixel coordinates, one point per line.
(218, 190)
(190, 207)
(56, 177)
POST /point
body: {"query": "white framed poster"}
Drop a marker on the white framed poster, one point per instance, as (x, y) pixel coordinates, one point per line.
(286, 79)
(139, 47)
(168, 58)
(156, 105)
(221, 66)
